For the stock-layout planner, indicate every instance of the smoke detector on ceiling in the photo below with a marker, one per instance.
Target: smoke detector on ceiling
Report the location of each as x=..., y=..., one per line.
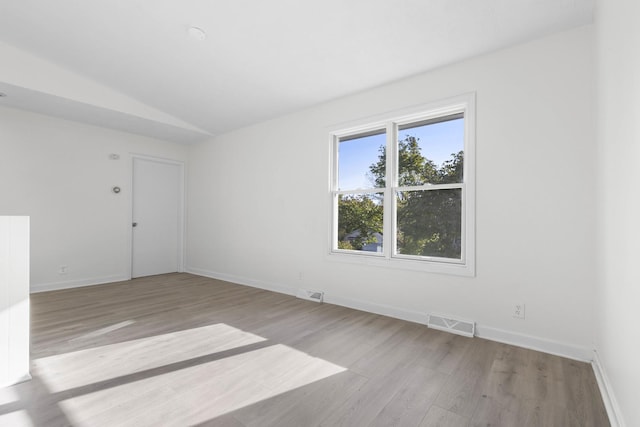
x=197, y=33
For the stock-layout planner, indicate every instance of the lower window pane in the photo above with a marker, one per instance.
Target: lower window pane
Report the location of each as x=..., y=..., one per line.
x=360, y=222
x=430, y=223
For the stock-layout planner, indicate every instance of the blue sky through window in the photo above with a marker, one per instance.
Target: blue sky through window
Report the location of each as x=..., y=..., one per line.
x=437, y=142
x=355, y=157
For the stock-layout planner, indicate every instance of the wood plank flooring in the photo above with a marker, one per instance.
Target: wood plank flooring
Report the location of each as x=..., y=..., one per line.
x=183, y=350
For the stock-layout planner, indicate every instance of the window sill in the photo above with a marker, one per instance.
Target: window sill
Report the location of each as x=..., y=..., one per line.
x=427, y=266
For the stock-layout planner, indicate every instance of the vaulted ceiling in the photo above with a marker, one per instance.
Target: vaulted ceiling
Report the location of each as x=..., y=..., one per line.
x=132, y=65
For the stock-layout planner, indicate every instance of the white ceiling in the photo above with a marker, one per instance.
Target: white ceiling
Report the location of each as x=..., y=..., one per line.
x=261, y=59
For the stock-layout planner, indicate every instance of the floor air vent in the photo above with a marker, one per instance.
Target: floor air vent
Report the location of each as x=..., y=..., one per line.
x=455, y=326
x=315, y=296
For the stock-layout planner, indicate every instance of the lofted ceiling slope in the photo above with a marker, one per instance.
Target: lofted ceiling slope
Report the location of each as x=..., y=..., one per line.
x=260, y=59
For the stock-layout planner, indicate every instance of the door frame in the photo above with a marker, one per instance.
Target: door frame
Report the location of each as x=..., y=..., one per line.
x=181, y=208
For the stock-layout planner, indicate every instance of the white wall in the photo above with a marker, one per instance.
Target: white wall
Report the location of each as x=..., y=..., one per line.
x=258, y=210
x=618, y=293
x=59, y=173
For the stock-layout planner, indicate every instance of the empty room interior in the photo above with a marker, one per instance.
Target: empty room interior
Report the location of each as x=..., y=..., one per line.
x=355, y=213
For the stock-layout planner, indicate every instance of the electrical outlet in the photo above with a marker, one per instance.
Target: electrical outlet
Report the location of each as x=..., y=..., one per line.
x=62, y=269
x=518, y=311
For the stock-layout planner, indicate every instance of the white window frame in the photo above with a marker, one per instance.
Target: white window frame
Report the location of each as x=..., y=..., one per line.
x=391, y=122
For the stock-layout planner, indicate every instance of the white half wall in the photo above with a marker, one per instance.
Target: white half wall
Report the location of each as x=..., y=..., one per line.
x=618, y=286
x=60, y=174
x=14, y=299
x=258, y=199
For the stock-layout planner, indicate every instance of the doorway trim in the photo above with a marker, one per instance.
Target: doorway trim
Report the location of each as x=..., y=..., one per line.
x=181, y=209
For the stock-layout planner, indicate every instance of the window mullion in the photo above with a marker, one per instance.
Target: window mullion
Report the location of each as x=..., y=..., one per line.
x=333, y=185
x=334, y=163
x=463, y=226
x=391, y=182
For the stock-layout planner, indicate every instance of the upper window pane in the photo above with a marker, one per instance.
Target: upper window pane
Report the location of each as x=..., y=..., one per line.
x=431, y=151
x=361, y=161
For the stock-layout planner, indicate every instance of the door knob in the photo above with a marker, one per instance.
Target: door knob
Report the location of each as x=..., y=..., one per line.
x=135, y=224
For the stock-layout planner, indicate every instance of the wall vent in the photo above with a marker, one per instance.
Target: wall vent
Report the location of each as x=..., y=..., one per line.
x=449, y=324
x=310, y=295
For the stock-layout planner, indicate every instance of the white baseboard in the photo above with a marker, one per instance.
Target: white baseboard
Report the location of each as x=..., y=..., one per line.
x=55, y=286
x=544, y=345
x=582, y=354
x=608, y=397
x=370, y=307
x=242, y=281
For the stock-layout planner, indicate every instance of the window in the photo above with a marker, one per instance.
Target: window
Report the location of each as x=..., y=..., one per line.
x=403, y=191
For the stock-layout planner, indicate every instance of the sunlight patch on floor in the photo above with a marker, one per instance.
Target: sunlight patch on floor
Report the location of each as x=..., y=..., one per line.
x=16, y=419
x=89, y=366
x=201, y=392
x=103, y=331
x=8, y=395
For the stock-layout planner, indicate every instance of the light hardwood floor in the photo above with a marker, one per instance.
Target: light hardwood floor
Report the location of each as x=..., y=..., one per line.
x=179, y=349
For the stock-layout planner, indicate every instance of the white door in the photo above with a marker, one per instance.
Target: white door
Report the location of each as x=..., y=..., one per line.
x=157, y=217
